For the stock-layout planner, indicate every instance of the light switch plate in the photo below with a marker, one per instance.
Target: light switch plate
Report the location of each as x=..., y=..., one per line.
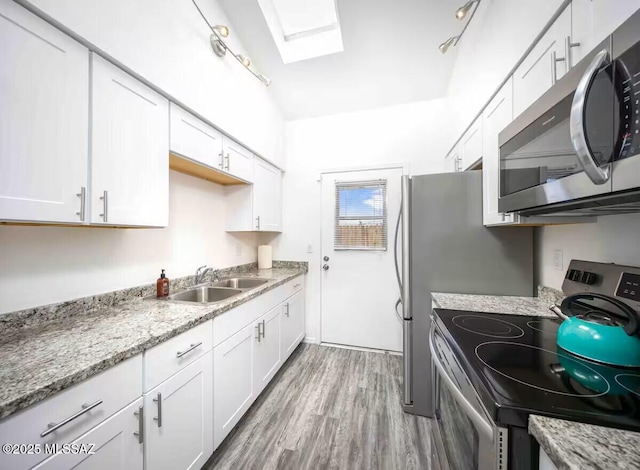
x=238, y=249
x=557, y=260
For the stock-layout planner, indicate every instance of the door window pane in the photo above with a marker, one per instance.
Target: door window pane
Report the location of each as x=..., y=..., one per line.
x=361, y=215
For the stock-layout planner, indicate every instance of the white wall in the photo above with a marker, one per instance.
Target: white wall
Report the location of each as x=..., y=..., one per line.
x=167, y=43
x=414, y=134
x=613, y=239
x=42, y=265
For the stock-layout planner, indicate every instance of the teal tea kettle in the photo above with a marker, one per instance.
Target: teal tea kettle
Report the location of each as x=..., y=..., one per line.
x=597, y=334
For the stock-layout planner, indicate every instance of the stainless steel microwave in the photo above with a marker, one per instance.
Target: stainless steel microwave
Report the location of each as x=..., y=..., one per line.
x=576, y=151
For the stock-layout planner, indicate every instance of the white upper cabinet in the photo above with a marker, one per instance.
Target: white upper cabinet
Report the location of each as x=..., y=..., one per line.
x=471, y=145
x=193, y=139
x=496, y=116
x=453, y=160
x=543, y=66
x=44, y=112
x=593, y=20
x=237, y=160
x=129, y=150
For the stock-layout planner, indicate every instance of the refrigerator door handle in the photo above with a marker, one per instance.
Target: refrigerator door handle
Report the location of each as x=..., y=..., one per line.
x=395, y=249
x=398, y=314
x=406, y=248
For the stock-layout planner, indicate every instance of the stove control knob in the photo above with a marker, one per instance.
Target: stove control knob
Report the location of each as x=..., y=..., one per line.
x=574, y=275
x=588, y=278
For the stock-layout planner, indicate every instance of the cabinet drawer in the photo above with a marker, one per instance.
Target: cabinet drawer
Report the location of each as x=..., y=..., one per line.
x=165, y=359
x=109, y=391
x=229, y=323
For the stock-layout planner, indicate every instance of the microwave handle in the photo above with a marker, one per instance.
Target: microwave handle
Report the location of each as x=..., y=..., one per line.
x=475, y=417
x=596, y=173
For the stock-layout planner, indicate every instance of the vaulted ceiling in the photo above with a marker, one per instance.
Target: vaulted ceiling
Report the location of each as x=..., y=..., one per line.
x=390, y=56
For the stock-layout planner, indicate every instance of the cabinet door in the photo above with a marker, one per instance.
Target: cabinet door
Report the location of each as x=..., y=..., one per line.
x=544, y=65
x=497, y=115
x=266, y=349
x=192, y=138
x=238, y=161
x=115, y=443
x=292, y=324
x=471, y=145
x=267, y=197
x=232, y=382
x=130, y=150
x=44, y=114
x=178, y=417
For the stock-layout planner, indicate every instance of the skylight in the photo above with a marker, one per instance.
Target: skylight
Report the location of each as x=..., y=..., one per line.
x=303, y=29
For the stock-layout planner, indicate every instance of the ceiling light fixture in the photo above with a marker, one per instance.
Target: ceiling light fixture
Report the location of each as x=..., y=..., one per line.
x=464, y=9
x=461, y=13
x=220, y=47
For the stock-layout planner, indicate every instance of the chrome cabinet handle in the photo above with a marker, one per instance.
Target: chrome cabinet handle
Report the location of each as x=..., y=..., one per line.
x=191, y=348
x=568, y=45
x=263, y=328
x=554, y=64
x=295, y=286
x=577, y=129
x=287, y=310
x=105, y=205
x=258, y=332
x=460, y=399
x=140, y=433
x=52, y=427
x=221, y=164
x=83, y=202
x=258, y=222
x=325, y=267
x=228, y=163
x=158, y=419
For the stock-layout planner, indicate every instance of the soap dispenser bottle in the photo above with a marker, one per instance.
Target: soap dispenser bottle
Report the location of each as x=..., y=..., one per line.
x=162, y=286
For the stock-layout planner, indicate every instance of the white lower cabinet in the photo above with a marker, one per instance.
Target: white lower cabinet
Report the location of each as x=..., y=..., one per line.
x=232, y=382
x=178, y=419
x=114, y=445
x=266, y=349
x=292, y=324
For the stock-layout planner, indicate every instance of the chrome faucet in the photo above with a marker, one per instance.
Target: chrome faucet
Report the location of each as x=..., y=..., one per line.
x=201, y=272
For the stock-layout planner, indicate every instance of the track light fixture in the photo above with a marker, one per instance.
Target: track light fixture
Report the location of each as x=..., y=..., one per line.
x=464, y=9
x=220, y=47
x=461, y=13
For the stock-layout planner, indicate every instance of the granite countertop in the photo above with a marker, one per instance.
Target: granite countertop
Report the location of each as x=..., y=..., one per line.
x=570, y=445
x=40, y=360
x=579, y=446
x=530, y=306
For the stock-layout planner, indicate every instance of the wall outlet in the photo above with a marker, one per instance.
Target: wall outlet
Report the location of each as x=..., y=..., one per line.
x=309, y=248
x=238, y=249
x=557, y=260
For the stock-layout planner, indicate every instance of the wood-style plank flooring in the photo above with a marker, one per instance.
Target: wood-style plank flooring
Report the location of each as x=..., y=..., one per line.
x=329, y=408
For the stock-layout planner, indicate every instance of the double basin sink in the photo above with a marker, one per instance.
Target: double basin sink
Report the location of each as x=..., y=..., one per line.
x=218, y=290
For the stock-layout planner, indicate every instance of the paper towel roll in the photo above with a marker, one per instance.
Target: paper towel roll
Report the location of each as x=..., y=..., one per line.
x=265, y=257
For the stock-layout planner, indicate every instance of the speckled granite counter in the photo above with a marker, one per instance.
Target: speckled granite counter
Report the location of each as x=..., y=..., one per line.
x=578, y=446
x=39, y=360
x=531, y=306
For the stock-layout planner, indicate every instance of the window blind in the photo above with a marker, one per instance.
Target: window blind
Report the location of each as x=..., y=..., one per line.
x=361, y=215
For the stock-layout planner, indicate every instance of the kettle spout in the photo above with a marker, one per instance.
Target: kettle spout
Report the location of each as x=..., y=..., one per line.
x=555, y=309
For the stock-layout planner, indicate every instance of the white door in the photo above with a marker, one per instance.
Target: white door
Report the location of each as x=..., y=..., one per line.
x=232, y=382
x=44, y=116
x=238, y=161
x=497, y=115
x=267, y=199
x=130, y=150
x=359, y=288
x=115, y=443
x=266, y=349
x=178, y=417
x=292, y=324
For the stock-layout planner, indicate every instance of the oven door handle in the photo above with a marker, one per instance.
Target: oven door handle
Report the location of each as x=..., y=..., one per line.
x=475, y=417
x=596, y=173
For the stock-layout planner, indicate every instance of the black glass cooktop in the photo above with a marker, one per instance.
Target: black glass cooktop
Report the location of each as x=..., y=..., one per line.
x=517, y=368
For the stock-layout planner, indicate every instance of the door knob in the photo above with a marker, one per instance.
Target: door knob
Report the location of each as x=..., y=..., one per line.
x=326, y=258
x=325, y=267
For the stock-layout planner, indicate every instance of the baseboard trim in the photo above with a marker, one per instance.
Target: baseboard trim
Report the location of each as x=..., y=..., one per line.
x=309, y=340
x=358, y=348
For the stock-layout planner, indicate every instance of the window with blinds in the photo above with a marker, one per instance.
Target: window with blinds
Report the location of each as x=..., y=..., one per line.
x=361, y=215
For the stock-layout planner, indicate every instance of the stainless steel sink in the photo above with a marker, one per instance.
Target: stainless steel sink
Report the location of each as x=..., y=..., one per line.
x=240, y=282
x=204, y=295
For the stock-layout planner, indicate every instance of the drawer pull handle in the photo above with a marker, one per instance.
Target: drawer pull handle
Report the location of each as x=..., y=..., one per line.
x=140, y=433
x=52, y=427
x=287, y=311
x=191, y=348
x=295, y=286
x=158, y=419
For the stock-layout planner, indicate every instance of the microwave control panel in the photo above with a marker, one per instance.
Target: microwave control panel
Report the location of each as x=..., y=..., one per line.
x=628, y=71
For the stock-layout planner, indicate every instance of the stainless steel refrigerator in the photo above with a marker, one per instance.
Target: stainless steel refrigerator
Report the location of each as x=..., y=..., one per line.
x=446, y=248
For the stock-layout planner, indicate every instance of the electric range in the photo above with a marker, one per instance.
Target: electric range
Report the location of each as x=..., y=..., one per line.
x=516, y=368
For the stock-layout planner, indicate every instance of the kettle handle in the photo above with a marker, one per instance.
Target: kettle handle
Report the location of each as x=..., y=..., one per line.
x=631, y=328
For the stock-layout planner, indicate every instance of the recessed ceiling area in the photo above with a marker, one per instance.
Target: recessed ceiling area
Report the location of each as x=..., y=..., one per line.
x=390, y=52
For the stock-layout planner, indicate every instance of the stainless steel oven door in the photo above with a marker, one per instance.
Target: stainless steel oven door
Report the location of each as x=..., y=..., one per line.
x=464, y=436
